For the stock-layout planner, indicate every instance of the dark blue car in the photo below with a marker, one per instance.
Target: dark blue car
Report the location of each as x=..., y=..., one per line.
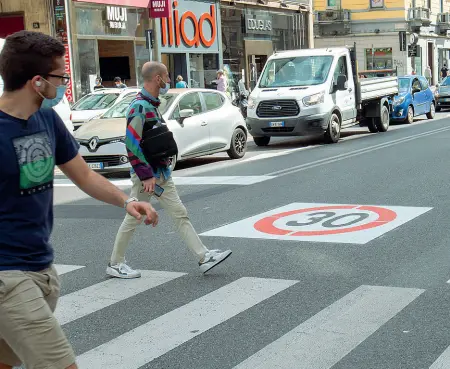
x=415, y=98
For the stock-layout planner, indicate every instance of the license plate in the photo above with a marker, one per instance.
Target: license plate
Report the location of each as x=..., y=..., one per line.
x=447, y=99
x=95, y=165
x=276, y=124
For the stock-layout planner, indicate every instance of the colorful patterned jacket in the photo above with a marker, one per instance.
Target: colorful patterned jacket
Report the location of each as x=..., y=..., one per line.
x=143, y=114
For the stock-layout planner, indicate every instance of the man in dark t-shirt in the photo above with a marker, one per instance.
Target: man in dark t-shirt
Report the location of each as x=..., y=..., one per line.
x=33, y=139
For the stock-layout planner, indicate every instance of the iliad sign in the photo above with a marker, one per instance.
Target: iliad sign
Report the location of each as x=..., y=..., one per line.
x=174, y=28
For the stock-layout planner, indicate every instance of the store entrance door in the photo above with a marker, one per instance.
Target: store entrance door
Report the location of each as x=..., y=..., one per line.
x=256, y=64
x=176, y=65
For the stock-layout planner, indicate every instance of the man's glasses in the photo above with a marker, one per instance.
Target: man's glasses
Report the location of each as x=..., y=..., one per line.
x=65, y=78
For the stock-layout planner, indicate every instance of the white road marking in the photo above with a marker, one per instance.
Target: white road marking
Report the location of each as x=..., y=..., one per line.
x=324, y=339
x=443, y=361
x=187, y=181
x=63, y=268
x=91, y=299
x=157, y=337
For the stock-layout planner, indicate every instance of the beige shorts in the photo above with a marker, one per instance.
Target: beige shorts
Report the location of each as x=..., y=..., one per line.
x=29, y=333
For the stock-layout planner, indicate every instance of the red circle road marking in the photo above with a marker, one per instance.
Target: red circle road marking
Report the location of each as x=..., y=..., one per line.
x=265, y=225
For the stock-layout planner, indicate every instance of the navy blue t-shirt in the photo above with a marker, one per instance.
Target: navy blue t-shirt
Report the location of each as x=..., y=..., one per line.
x=29, y=151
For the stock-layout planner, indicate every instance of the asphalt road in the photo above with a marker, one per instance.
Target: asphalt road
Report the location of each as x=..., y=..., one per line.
x=361, y=285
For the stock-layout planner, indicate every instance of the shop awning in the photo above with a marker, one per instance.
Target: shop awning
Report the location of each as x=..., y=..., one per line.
x=129, y=3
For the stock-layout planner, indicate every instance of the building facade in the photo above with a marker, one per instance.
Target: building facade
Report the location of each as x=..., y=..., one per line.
x=254, y=30
x=405, y=34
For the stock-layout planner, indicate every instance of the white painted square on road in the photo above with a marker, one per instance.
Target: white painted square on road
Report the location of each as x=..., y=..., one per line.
x=337, y=223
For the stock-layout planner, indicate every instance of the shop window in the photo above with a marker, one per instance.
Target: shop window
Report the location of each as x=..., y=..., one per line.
x=377, y=59
x=213, y=100
x=191, y=101
x=203, y=70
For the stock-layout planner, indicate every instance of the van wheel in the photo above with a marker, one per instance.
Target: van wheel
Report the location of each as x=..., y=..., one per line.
x=261, y=141
x=238, y=144
x=333, y=132
x=382, y=122
x=371, y=125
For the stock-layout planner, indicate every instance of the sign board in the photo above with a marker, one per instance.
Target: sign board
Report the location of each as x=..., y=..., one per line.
x=413, y=50
x=63, y=35
x=128, y=3
x=159, y=9
x=192, y=26
x=402, y=40
x=258, y=22
x=336, y=223
x=116, y=17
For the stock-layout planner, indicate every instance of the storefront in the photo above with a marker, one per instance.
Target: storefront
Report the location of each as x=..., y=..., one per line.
x=250, y=34
x=189, y=41
x=108, y=41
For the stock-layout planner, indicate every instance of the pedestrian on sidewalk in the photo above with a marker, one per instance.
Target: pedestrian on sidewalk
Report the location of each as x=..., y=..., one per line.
x=151, y=179
x=428, y=74
x=33, y=139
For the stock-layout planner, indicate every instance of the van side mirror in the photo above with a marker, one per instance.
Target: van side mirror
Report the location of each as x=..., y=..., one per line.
x=341, y=83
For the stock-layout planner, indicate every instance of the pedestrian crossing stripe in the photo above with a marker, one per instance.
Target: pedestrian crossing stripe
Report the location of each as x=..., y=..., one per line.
x=318, y=343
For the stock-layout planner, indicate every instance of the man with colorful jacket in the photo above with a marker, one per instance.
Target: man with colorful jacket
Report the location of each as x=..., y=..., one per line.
x=143, y=115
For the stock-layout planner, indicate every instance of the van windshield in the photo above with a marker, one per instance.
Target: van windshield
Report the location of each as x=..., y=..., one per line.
x=296, y=71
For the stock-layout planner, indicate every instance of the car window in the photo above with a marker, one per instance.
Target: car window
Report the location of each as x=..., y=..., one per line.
x=341, y=68
x=191, y=101
x=416, y=85
x=213, y=100
x=119, y=110
x=424, y=83
x=96, y=102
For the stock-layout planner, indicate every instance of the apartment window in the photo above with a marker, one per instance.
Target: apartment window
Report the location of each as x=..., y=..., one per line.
x=380, y=58
x=375, y=4
x=333, y=4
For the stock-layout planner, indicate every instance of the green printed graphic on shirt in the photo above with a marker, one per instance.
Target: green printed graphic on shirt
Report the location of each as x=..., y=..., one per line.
x=36, y=162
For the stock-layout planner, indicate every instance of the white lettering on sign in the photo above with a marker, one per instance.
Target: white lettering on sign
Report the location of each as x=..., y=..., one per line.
x=259, y=24
x=158, y=4
x=116, y=17
x=335, y=223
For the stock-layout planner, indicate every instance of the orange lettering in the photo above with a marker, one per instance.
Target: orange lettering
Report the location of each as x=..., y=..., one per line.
x=212, y=20
x=170, y=31
x=164, y=31
x=195, y=40
x=177, y=24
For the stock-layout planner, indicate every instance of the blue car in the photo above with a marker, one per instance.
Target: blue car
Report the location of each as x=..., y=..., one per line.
x=415, y=98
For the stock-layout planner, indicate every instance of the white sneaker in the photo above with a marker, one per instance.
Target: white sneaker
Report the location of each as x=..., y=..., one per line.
x=122, y=270
x=213, y=258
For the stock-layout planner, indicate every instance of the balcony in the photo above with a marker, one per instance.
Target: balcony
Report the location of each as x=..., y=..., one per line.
x=332, y=16
x=443, y=22
x=419, y=17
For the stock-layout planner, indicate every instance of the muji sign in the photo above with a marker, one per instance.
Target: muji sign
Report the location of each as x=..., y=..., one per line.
x=159, y=8
x=191, y=25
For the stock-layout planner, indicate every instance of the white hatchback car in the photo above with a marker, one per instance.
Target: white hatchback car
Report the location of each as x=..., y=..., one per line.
x=203, y=122
x=62, y=109
x=93, y=105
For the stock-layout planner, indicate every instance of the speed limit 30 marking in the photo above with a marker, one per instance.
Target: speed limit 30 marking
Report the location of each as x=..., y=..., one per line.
x=338, y=223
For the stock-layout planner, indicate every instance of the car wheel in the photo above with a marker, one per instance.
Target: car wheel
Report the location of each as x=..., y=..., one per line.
x=333, y=132
x=432, y=112
x=261, y=141
x=238, y=144
x=410, y=115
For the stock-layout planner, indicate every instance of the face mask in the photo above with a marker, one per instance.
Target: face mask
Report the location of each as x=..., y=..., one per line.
x=163, y=90
x=50, y=103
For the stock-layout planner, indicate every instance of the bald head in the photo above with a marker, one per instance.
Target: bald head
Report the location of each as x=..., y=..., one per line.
x=152, y=69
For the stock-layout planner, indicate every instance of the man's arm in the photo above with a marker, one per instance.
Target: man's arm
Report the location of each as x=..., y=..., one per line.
x=101, y=189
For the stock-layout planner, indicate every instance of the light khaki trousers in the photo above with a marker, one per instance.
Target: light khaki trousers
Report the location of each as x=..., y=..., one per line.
x=172, y=204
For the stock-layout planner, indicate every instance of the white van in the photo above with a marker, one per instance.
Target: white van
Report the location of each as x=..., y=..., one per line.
x=62, y=109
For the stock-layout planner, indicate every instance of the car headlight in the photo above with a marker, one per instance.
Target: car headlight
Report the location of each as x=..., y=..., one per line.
x=314, y=99
x=251, y=103
x=399, y=100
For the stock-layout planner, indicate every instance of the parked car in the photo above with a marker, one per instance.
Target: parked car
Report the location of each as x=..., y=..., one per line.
x=203, y=122
x=93, y=105
x=415, y=98
x=63, y=108
x=443, y=94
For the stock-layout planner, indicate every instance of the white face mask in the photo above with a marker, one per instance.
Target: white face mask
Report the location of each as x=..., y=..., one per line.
x=163, y=90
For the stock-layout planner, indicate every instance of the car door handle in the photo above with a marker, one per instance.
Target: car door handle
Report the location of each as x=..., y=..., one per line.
x=350, y=89
x=204, y=124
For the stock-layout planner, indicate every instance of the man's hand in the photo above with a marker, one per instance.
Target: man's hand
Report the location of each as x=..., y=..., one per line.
x=137, y=209
x=149, y=185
